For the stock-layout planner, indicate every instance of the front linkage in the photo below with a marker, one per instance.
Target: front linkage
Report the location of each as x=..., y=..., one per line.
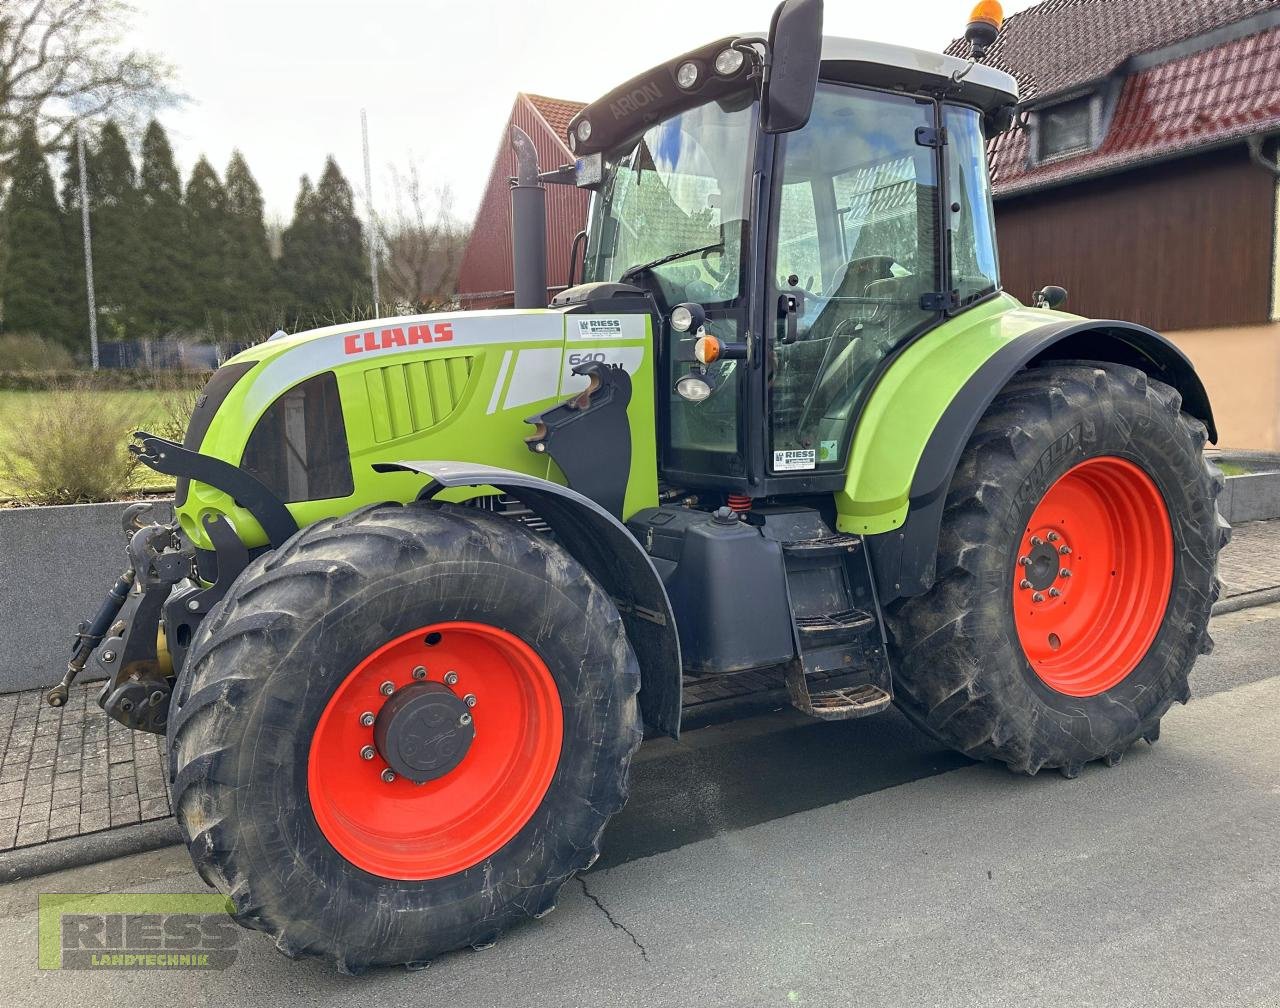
x=145, y=625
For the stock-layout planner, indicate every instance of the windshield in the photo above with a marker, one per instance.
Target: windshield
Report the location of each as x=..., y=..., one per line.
x=676, y=202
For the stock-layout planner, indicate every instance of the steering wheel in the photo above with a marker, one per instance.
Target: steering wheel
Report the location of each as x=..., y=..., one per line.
x=717, y=274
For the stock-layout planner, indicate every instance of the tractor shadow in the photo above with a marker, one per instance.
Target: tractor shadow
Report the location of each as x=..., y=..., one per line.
x=728, y=777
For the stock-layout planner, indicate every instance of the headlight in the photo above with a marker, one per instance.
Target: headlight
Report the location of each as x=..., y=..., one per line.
x=729, y=62
x=693, y=388
x=687, y=75
x=688, y=316
x=584, y=130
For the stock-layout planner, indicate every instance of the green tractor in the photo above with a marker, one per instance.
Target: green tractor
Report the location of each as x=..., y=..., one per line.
x=430, y=580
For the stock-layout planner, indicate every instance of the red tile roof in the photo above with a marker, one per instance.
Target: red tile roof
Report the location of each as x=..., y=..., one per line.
x=1060, y=44
x=1211, y=97
x=557, y=112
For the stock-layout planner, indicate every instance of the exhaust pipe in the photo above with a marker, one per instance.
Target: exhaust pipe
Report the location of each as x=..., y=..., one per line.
x=528, y=225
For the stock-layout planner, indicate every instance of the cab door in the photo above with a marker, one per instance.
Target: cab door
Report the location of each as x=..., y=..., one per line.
x=857, y=248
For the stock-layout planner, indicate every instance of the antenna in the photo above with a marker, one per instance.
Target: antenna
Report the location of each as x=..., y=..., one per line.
x=373, y=220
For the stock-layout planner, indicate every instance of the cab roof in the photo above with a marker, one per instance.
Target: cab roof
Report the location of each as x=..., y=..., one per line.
x=899, y=67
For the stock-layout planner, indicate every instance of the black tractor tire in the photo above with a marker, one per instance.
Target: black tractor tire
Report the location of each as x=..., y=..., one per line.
x=270, y=655
x=961, y=672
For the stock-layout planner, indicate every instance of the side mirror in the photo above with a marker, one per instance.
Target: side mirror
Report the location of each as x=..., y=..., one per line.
x=1050, y=297
x=795, y=55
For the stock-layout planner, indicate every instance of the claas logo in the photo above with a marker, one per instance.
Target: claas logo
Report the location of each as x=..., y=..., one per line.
x=397, y=336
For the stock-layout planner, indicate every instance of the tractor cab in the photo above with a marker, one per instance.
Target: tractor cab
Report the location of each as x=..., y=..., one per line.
x=787, y=263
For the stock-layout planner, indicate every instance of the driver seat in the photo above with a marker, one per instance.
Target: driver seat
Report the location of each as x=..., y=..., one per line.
x=854, y=280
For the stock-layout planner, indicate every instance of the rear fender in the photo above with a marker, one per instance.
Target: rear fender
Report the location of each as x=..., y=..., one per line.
x=602, y=544
x=905, y=559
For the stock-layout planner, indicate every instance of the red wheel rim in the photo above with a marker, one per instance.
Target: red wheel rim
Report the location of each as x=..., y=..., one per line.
x=404, y=830
x=1092, y=577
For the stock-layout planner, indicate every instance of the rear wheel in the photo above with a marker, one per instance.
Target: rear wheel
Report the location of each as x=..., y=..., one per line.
x=401, y=733
x=1076, y=573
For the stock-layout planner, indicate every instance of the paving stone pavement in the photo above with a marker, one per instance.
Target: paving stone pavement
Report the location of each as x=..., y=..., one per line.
x=73, y=771
x=1251, y=560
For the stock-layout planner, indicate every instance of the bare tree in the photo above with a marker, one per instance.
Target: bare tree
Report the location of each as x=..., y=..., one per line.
x=422, y=245
x=64, y=61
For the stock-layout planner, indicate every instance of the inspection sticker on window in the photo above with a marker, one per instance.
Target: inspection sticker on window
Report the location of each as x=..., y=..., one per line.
x=790, y=461
x=828, y=451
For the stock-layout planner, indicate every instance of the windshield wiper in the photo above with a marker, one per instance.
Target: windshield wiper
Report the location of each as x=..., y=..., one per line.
x=637, y=270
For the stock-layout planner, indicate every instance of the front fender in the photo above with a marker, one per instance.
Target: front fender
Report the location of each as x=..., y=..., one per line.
x=602, y=544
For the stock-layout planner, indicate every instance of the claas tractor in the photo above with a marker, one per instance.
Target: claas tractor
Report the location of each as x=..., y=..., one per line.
x=430, y=580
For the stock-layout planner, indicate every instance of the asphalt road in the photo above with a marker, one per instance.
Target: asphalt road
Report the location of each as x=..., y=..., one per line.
x=777, y=861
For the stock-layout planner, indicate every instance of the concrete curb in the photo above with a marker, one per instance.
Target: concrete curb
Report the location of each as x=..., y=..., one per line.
x=44, y=595
x=1251, y=497
x=76, y=851
x=1261, y=597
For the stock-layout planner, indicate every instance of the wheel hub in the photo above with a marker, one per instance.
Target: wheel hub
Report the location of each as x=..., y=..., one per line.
x=424, y=731
x=1045, y=568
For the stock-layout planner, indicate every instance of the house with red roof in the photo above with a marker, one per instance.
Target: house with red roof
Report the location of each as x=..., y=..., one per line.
x=484, y=276
x=1144, y=176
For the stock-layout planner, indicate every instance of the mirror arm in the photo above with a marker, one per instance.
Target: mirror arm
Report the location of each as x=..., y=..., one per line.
x=763, y=60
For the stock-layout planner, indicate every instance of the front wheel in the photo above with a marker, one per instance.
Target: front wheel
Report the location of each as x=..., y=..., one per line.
x=401, y=733
x=1076, y=573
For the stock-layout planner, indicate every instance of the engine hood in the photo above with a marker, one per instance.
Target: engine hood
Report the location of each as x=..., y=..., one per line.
x=312, y=414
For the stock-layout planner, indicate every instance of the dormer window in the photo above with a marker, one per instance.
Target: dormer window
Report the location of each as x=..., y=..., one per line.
x=1066, y=128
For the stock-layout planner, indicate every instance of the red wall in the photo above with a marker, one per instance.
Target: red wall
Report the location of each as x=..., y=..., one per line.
x=484, y=278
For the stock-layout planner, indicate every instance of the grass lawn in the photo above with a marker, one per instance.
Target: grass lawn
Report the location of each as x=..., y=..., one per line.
x=147, y=408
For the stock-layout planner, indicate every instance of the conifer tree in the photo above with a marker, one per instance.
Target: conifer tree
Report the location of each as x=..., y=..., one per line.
x=162, y=267
x=250, y=282
x=322, y=260
x=114, y=215
x=205, y=205
x=36, y=287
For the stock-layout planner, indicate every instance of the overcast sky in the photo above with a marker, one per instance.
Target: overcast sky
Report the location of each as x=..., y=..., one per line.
x=284, y=80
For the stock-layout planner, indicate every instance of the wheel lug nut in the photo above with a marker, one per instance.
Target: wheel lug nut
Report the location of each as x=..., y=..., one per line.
x=1037, y=541
x=469, y=699
x=1053, y=537
x=387, y=688
x=388, y=775
x=1054, y=593
x=1064, y=573
x=1064, y=550
x=419, y=673
x=450, y=678
x=465, y=719
x=1024, y=584
x=366, y=719
x=367, y=752
x=1037, y=597
x=1025, y=561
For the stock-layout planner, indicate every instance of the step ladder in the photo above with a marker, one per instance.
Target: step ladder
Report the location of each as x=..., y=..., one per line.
x=842, y=670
